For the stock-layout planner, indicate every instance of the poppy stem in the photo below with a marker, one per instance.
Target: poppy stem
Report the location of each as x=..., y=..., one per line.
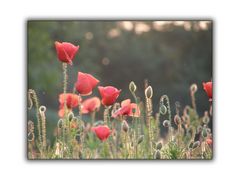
x=64, y=66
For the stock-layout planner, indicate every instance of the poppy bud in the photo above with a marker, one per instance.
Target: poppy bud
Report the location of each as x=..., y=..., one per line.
x=125, y=126
x=204, y=133
x=159, y=146
x=163, y=109
x=193, y=88
x=196, y=144
x=149, y=92
x=157, y=154
x=140, y=139
x=199, y=129
x=132, y=87
x=206, y=118
x=166, y=123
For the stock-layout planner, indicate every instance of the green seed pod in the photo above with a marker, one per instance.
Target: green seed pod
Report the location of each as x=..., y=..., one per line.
x=140, y=139
x=204, y=133
x=166, y=123
x=149, y=92
x=196, y=144
x=125, y=126
x=157, y=154
x=159, y=146
x=163, y=109
x=132, y=87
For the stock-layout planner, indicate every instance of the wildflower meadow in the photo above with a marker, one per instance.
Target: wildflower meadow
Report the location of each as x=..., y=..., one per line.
x=93, y=123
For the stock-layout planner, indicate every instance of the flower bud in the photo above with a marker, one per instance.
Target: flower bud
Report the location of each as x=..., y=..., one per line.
x=193, y=88
x=163, y=109
x=125, y=126
x=149, y=92
x=132, y=87
x=140, y=139
x=166, y=123
x=199, y=129
x=159, y=146
x=196, y=144
x=206, y=118
x=157, y=154
x=204, y=133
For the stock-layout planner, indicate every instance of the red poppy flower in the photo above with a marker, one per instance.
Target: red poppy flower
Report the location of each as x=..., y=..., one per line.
x=66, y=51
x=102, y=132
x=209, y=141
x=127, y=109
x=208, y=88
x=90, y=105
x=109, y=94
x=85, y=83
x=72, y=100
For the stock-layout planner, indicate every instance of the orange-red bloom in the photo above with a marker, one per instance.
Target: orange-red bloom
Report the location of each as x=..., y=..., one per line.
x=128, y=109
x=72, y=100
x=102, y=132
x=66, y=51
x=209, y=141
x=90, y=105
x=109, y=94
x=85, y=83
x=208, y=88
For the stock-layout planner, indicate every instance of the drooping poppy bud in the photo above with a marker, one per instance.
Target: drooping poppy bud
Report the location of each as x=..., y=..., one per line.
x=125, y=126
x=149, y=92
x=128, y=109
x=90, y=105
x=102, y=132
x=85, y=83
x=66, y=51
x=109, y=94
x=208, y=88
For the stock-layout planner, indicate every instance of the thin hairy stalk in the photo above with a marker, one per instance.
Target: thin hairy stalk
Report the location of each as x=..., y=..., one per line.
x=165, y=97
x=33, y=98
x=42, y=111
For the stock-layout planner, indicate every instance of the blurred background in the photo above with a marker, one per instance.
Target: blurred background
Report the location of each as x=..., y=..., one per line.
x=171, y=55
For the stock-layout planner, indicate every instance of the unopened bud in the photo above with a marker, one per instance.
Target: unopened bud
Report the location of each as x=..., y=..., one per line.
x=206, y=118
x=157, y=154
x=125, y=126
x=196, y=144
x=132, y=87
x=149, y=92
x=204, y=132
x=193, y=88
x=159, y=146
x=163, y=109
x=199, y=129
x=166, y=123
x=140, y=139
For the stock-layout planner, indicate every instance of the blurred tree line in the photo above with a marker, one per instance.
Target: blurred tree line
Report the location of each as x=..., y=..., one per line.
x=170, y=55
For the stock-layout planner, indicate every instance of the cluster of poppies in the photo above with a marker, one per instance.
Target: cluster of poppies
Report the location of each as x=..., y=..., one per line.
x=84, y=86
x=109, y=94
